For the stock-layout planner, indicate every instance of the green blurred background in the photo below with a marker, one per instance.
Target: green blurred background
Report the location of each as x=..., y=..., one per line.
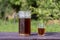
x=48, y=10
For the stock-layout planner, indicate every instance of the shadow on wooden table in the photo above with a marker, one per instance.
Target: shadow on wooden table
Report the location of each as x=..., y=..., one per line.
x=46, y=34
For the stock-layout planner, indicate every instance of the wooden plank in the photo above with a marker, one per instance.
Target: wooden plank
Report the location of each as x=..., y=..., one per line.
x=33, y=36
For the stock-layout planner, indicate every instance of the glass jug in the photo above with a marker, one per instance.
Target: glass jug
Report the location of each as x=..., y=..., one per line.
x=24, y=22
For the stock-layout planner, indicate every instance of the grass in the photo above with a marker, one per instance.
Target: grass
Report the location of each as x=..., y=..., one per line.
x=48, y=28
x=13, y=27
x=53, y=28
x=8, y=26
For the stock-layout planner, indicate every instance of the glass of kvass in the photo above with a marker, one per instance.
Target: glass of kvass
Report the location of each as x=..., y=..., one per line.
x=41, y=28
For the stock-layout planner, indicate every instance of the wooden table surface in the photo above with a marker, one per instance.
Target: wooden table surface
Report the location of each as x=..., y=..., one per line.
x=33, y=36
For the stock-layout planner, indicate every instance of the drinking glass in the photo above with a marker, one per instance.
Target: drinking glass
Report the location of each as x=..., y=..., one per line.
x=41, y=28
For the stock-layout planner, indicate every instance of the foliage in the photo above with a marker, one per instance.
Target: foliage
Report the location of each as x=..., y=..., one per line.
x=45, y=9
x=5, y=8
x=22, y=3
